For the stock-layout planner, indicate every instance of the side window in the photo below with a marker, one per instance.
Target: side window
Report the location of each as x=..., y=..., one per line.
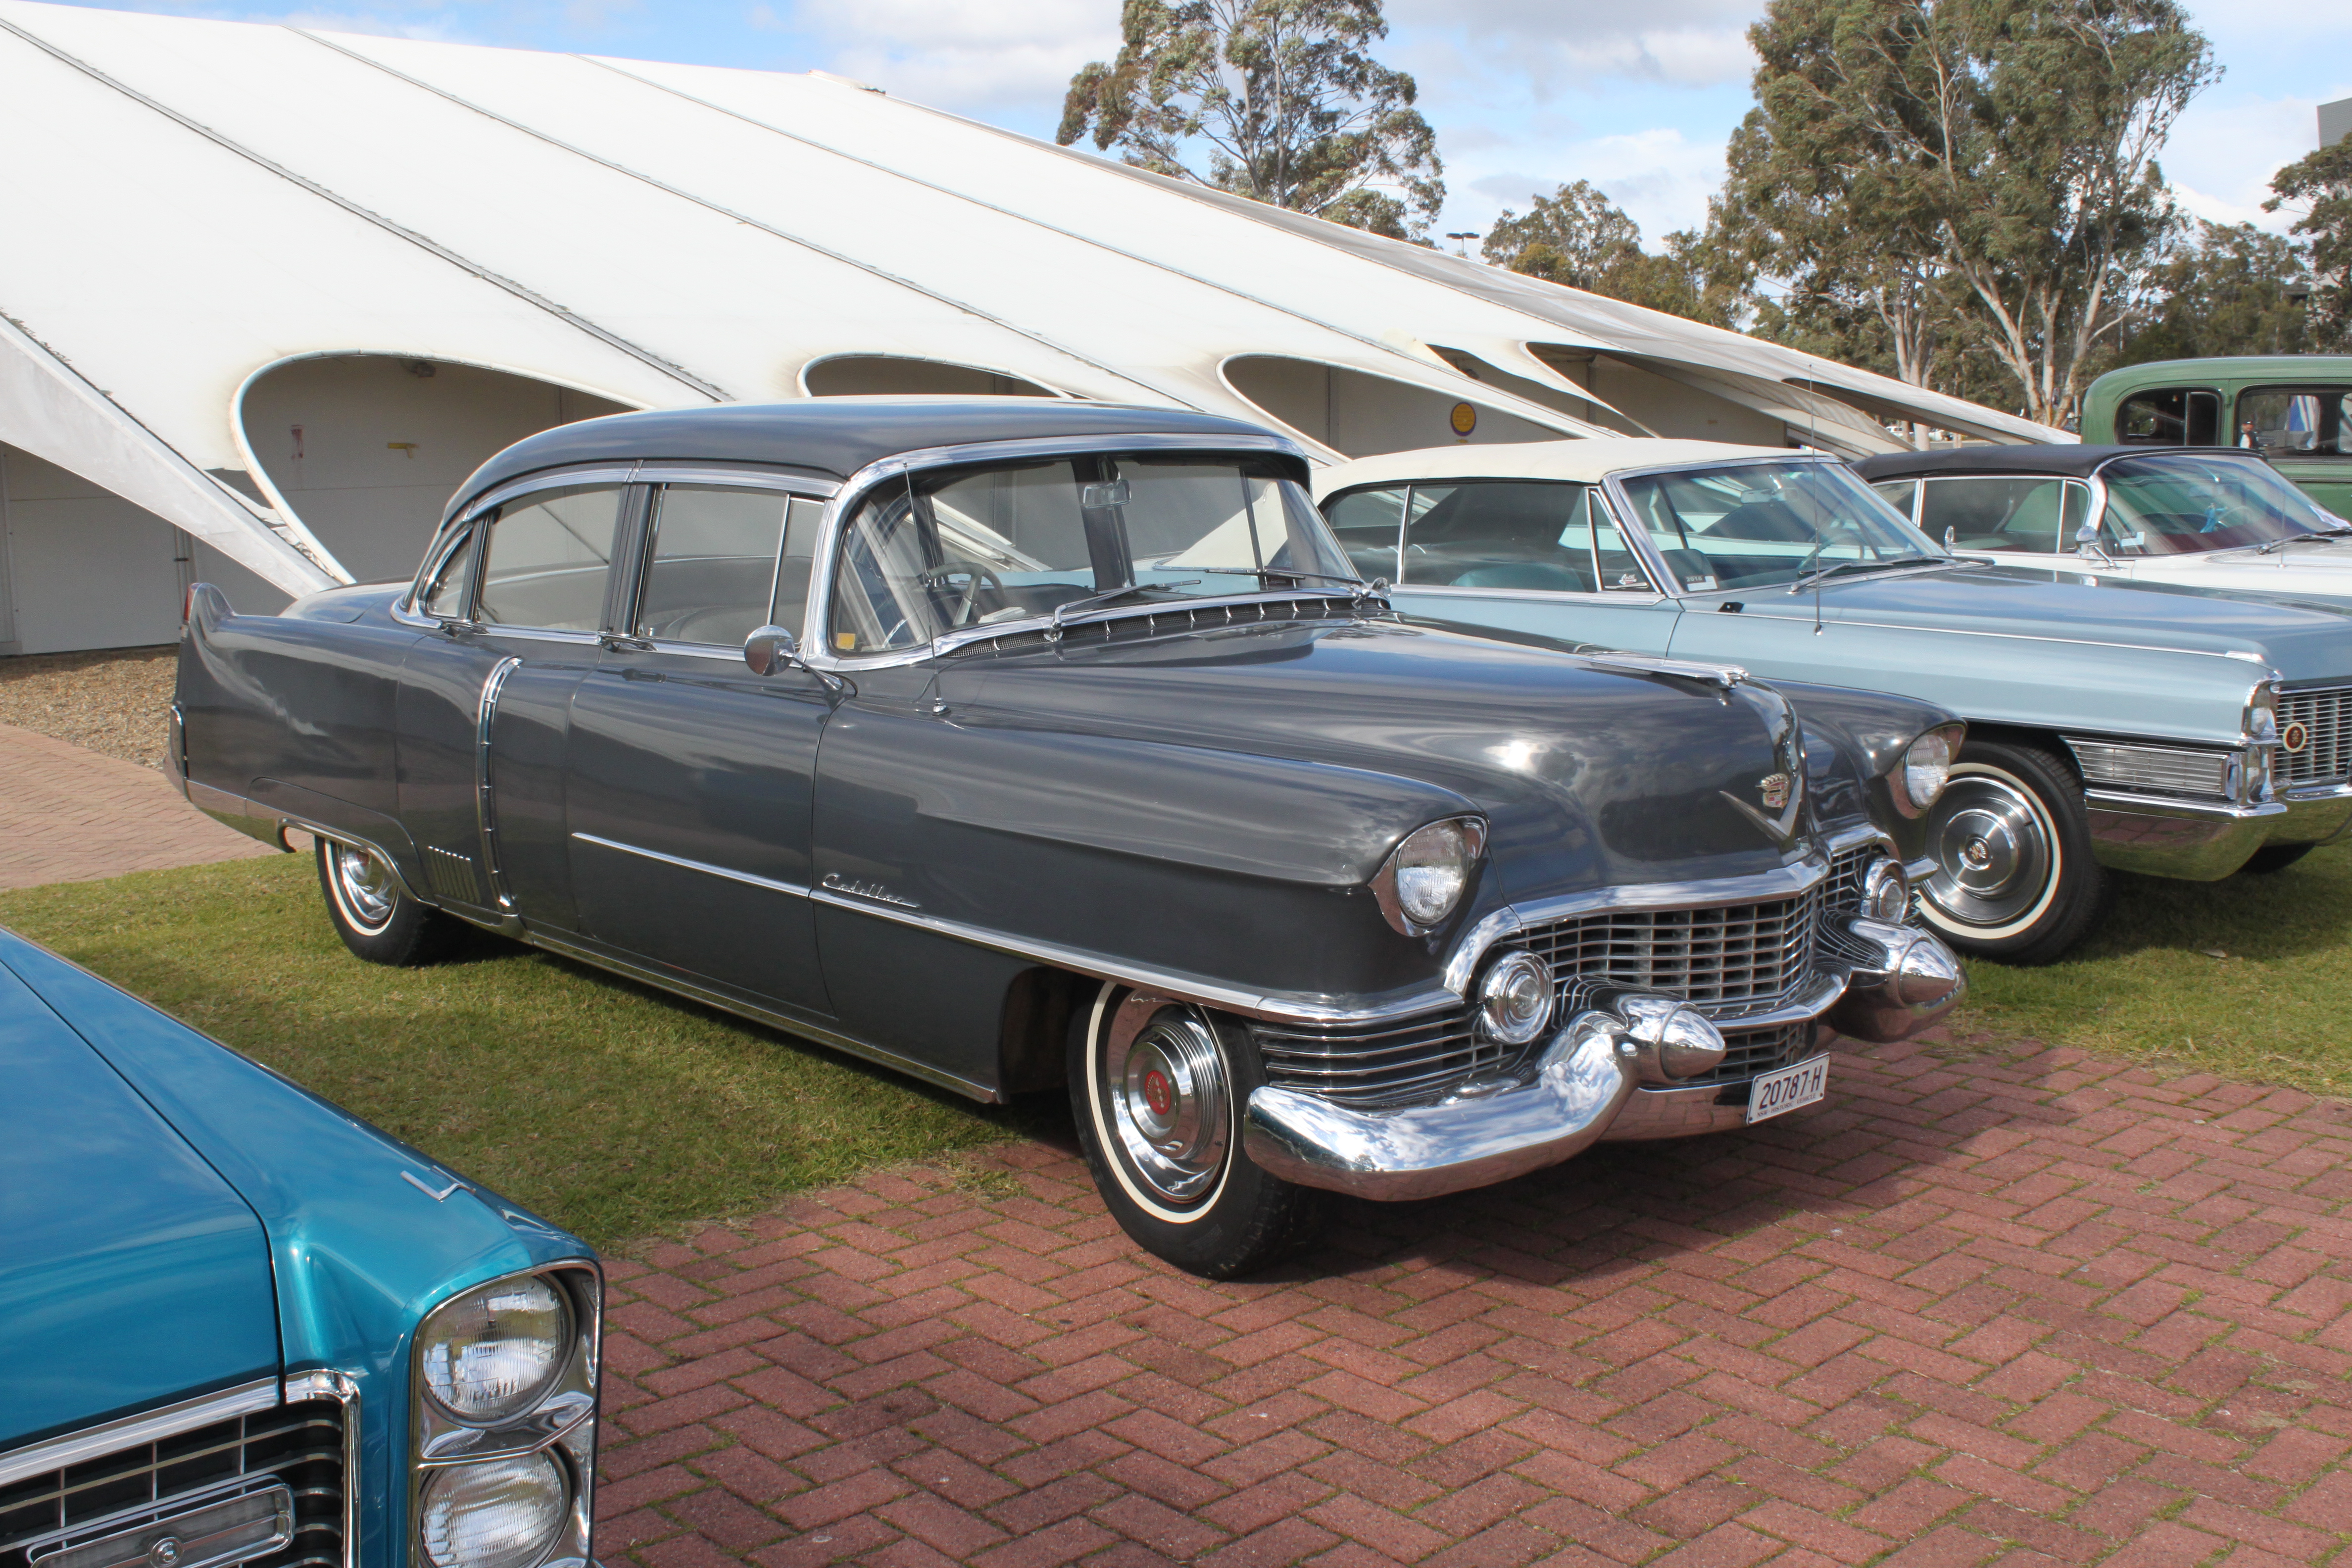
x=1614, y=565
x=712, y=573
x=549, y=555
x=2281, y=422
x=791, y=606
x=2019, y=514
x=2173, y=416
x=445, y=596
x=1898, y=494
x=1497, y=534
x=1368, y=524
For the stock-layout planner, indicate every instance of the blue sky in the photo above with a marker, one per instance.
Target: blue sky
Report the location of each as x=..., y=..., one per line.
x=1525, y=94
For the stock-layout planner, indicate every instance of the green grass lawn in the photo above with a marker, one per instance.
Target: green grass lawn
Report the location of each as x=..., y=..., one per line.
x=619, y=1112
x=605, y=1105
x=2272, y=1008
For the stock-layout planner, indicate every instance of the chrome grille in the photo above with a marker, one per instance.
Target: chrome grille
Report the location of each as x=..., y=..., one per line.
x=1731, y=962
x=2327, y=757
x=301, y=1445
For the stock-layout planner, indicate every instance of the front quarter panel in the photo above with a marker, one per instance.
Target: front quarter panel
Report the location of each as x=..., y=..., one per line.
x=360, y=1252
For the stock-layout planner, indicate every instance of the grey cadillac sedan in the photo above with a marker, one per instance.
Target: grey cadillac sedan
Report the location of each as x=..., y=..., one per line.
x=1026, y=745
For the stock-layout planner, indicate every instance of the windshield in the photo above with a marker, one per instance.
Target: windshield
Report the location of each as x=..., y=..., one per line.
x=953, y=548
x=2186, y=503
x=1752, y=525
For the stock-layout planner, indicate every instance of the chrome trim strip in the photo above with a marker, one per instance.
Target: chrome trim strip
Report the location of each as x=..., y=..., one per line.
x=671, y=981
x=653, y=472
x=2300, y=792
x=818, y=608
x=950, y=641
x=485, y=810
x=1272, y=1007
x=95, y=1442
x=345, y=1391
x=702, y=866
x=544, y=480
x=2173, y=805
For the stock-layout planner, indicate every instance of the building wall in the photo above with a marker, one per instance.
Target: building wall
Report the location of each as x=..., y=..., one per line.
x=1363, y=416
x=82, y=568
x=367, y=449
x=1666, y=406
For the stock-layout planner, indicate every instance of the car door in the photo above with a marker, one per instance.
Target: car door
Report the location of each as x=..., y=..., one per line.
x=520, y=599
x=688, y=778
x=1542, y=556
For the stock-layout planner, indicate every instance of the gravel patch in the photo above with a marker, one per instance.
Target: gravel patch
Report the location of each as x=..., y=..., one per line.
x=116, y=702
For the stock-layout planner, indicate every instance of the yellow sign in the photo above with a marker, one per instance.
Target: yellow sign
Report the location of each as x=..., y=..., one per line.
x=1466, y=419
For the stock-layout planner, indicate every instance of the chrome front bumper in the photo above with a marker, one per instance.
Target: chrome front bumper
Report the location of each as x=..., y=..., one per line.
x=1596, y=1079
x=2201, y=841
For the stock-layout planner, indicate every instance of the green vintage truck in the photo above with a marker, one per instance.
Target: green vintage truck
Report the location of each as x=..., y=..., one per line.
x=2295, y=409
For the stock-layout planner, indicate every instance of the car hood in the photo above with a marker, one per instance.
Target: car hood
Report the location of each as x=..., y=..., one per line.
x=1588, y=775
x=132, y=1274
x=2299, y=641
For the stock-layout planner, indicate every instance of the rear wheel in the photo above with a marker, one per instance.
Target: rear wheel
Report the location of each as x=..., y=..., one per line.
x=1159, y=1087
x=377, y=921
x=2275, y=858
x=2015, y=878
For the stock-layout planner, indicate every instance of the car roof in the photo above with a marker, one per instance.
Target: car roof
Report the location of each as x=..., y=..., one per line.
x=834, y=436
x=2281, y=368
x=1586, y=460
x=2076, y=462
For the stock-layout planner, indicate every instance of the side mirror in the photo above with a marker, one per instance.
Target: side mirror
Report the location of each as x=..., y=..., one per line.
x=2086, y=542
x=769, y=649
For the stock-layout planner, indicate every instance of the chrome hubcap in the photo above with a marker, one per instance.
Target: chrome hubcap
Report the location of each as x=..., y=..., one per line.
x=363, y=884
x=1166, y=1090
x=1994, y=857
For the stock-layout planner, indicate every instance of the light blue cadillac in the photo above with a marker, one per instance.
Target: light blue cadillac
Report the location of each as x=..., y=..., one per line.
x=239, y=1326
x=2171, y=731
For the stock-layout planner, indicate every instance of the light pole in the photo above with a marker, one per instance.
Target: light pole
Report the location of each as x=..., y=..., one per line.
x=1459, y=248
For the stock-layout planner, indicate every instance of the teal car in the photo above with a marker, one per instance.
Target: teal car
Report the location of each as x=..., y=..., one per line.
x=2294, y=410
x=2172, y=732
x=239, y=1326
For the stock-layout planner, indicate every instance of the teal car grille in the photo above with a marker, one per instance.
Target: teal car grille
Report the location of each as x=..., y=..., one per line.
x=300, y=1445
x=1731, y=962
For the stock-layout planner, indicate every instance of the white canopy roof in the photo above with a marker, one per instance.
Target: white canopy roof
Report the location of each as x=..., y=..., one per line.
x=1586, y=462
x=195, y=202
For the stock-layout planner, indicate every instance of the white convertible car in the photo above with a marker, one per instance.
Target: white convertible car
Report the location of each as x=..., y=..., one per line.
x=2212, y=517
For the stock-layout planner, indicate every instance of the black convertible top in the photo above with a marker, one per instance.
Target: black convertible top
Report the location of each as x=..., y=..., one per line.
x=834, y=436
x=2071, y=462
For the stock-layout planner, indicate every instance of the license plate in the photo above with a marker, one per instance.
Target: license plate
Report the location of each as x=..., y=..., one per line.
x=1785, y=1089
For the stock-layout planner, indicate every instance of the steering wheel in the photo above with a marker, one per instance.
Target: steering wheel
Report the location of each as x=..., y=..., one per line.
x=982, y=577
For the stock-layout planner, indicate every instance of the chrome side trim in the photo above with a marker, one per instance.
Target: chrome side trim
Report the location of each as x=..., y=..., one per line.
x=817, y=611
x=652, y=472
x=1787, y=882
x=682, y=862
x=345, y=1391
x=95, y=1442
x=269, y=823
x=670, y=980
x=1273, y=1006
x=485, y=810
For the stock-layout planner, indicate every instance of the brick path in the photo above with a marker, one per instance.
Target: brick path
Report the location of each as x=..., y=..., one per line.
x=1978, y=1309
x=67, y=815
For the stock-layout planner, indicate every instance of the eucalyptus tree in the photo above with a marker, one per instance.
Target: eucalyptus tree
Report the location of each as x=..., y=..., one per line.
x=2320, y=187
x=1985, y=167
x=1276, y=99
x=1579, y=237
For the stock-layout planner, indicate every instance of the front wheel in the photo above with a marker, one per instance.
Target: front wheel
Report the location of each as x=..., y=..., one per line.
x=1158, y=1088
x=376, y=920
x=2015, y=878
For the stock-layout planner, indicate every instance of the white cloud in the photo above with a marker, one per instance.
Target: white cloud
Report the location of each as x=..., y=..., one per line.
x=1660, y=177
x=959, y=55
x=1555, y=43
x=2222, y=154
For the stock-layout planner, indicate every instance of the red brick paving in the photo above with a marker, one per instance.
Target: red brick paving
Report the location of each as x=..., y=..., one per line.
x=70, y=815
x=1981, y=1308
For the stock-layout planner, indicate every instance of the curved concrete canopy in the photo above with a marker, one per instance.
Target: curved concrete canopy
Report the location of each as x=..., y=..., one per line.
x=677, y=235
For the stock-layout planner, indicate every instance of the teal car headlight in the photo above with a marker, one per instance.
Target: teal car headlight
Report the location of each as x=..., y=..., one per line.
x=501, y=1513
x=492, y=1353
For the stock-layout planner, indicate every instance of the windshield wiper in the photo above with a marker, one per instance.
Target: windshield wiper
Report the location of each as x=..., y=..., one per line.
x=1810, y=578
x=2276, y=545
x=1357, y=587
x=1110, y=595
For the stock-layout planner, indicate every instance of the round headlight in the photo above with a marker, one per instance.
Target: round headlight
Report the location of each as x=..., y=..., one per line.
x=501, y=1513
x=492, y=1355
x=1927, y=767
x=1432, y=867
x=1514, y=999
x=1885, y=892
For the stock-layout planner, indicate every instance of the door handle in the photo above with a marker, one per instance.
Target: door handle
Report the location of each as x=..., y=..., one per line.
x=613, y=642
